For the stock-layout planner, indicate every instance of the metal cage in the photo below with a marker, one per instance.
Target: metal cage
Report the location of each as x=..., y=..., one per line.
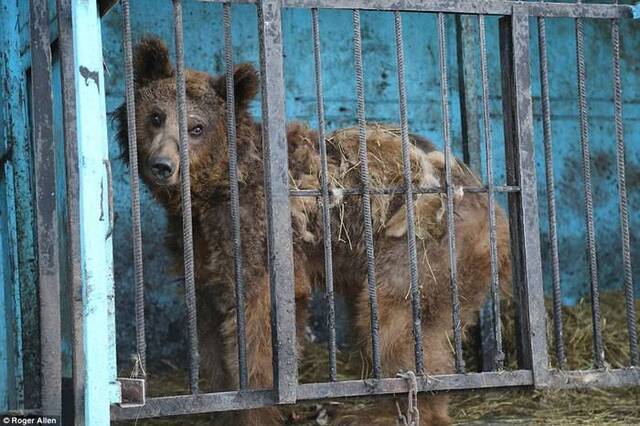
x=87, y=168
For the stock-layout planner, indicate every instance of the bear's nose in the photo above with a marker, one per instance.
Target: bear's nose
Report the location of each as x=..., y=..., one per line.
x=161, y=168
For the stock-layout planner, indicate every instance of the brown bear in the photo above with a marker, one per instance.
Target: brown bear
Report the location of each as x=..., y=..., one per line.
x=158, y=139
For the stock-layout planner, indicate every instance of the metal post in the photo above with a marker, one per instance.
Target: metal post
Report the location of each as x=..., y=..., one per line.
x=46, y=209
x=67, y=75
x=95, y=217
x=523, y=206
x=279, y=242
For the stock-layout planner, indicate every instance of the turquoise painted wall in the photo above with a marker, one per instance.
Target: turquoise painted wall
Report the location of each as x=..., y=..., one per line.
x=203, y=40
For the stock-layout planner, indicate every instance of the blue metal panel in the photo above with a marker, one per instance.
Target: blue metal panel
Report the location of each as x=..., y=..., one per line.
x=14, y=135
x=95, y=215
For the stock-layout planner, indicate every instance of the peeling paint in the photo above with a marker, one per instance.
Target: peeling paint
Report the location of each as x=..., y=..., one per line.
x=90, y=75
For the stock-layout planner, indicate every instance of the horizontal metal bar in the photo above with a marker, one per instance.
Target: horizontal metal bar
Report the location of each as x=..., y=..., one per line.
x=195, y=404
x=623, y=377
x=572, y=10
x=444, y=382
x=400, y=190
x=498, y=7
x=238, y=400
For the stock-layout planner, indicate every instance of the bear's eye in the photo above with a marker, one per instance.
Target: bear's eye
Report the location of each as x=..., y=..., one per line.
x=157, y=119
x=196, y=131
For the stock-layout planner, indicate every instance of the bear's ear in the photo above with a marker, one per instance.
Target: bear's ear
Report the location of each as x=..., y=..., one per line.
x=151, y=61
x=245, y=85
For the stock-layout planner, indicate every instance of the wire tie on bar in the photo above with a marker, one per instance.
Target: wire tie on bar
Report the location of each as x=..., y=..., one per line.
x=412, y=417
x=138, y=369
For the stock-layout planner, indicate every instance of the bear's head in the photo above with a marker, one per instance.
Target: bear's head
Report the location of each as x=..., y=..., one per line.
x=157, y=124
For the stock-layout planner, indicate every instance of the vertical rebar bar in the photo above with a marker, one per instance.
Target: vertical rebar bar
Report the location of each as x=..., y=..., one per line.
x=366, y=195
x=495, y=285
x=408, y=188
x=136, y=233
x=234, y=199
x=324, y=187
x=622, y=196
x=588, y=196
x=185, y=187
x=551, y=197
x=455, y=297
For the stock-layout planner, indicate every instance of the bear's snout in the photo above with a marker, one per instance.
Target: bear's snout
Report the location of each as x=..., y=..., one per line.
x=162, y=168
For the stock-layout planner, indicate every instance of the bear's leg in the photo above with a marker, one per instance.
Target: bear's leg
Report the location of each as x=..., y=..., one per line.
x=259, y=353
x=212, y=363
x=397, y=349
x=438, y=360
x=258, y=344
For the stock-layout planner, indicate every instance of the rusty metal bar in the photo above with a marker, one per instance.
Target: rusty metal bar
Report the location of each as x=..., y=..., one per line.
x=592, y=257
x=455, y=296
x=234, y=200
x=487, y=7
x=136, y=237
x=409, y=200
x=498, y=360
x=400, y=190
x=185, y=188
x=225, y=401
x=622, y=197
x=324, y=185
x=366, y=196
x=551, y=198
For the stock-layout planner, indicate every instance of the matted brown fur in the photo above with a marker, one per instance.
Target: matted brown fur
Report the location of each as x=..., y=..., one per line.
x=157, y=135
